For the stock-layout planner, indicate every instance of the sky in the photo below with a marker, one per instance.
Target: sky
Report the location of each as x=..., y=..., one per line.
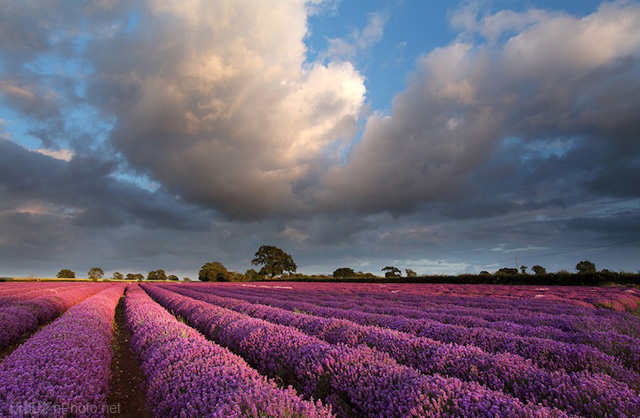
x=442, y=137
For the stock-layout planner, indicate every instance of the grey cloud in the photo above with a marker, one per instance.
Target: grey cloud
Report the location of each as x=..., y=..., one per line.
x=233, y=121
x=464, y=99
x=83, y=191
x=497, y=141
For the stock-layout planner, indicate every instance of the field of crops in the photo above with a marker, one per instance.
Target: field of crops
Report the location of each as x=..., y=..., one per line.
x=318, y=350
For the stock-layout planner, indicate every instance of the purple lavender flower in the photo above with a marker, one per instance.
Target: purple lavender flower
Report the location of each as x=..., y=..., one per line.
x=189, y=376
x=64, y=369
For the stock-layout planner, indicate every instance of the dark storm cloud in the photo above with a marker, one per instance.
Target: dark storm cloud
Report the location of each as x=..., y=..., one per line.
x=84, y=193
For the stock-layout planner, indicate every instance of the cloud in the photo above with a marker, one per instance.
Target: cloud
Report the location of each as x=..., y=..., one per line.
x=182, y=131
x=553, y=76
x=359, y=40
x=228, y=115
x=80, y=191
x=62, y=154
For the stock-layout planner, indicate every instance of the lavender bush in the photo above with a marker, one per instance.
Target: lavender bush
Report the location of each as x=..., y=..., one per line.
x=577, y=393
x=64, y=369
x=357, y=381
x=546, y=353
x=188, y=376
x=21, y=316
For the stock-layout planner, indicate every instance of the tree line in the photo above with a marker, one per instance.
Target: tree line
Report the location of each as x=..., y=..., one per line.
x=275, y=263
x=97, y=273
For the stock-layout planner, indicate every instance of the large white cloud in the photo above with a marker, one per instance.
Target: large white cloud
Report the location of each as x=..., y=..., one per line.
x=216, y=101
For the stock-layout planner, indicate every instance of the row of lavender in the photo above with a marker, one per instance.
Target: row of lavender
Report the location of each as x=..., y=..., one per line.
x=617, y=298
x=527, y=308
x=614, y=333
x=400, y=374
x=24, y=308
x=354, y=380
x=580, y=393
x=64, y=369
x=189, y=376
x=619, y=362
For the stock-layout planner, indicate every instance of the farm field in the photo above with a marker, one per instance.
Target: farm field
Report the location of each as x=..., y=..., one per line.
x=280, y=349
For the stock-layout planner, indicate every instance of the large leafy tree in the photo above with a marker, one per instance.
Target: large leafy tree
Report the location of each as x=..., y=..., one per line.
x=344, y=272
x=118, y=276
x=539, y=270
x=274, y=261
x=138, y=276
x=96, y=273
x=157, y=275
x=66, y=274
x=213, y=272
x=586, y=266
x=391, y=272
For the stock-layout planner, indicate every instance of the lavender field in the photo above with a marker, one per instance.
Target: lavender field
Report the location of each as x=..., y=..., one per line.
x=318, y=350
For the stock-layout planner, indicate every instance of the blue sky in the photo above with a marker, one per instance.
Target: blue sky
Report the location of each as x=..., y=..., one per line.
x=443, y=137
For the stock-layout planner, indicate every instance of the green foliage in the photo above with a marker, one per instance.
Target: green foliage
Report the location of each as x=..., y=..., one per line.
x=539, y=270
x=274, y=261
x=173, y=278
x=343, y=272
x=118, y=276
x=252, y=275
x=214, y=272
x=137, y=276
x=585, y=266
x=507, y=271
x=95, y=273
x=157, y=275
x=66, y=274
x=411, y=273
x=348, y=273
x=392, y=272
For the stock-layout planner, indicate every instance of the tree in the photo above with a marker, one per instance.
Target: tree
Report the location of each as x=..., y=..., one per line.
x=411, y=273
x=157, y=275
x=66, y=274
x=523, y=269
x=213, y=272
x=131, y=276
x=539, y=270
x=507, y=271
x=173, y=278
x=186, y=279
x=274, y=261
x=391, y=272
x=585, y=266
x=344, y=272
x=95, y=273
x=118, y=276
x=252, y=275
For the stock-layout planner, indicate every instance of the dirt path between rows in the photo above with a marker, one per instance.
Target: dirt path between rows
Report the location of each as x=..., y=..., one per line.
x=127, y=380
